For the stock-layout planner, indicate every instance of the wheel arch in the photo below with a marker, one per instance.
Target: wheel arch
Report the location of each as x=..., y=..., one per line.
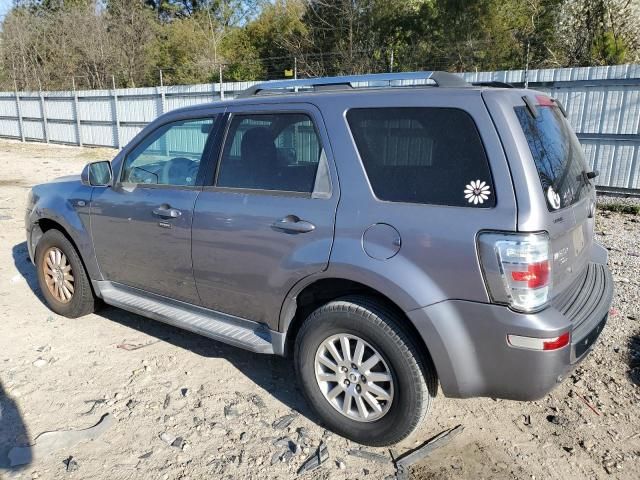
x=323, y=290
x=42, y=226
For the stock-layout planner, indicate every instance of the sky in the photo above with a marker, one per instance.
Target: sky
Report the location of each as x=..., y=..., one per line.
x=5, y=6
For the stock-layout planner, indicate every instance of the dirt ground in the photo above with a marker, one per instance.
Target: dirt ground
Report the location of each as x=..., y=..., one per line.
x=226, y=405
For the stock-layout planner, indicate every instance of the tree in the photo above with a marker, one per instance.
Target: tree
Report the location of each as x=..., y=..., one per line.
x=135, y=48
x=54, y=43
x=276, y=36
x=599, y=32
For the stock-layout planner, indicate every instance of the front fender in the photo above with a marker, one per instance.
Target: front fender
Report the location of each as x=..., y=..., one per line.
x=68, y=205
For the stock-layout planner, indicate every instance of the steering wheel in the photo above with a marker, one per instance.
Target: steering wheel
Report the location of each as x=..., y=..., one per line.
x=180, y=171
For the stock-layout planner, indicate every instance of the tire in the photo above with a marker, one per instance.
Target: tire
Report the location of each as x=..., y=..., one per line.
x=379, y=328
x=55, y=254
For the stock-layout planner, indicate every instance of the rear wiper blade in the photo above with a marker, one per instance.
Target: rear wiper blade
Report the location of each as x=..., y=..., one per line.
x=586, y=177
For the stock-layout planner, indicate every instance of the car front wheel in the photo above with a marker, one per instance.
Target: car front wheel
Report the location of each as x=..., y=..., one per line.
x=362, y=373
x=61, y=276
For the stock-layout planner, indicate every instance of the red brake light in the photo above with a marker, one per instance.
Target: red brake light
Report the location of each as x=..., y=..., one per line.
x=536, y=275
x=545, y=101
x=557, y=343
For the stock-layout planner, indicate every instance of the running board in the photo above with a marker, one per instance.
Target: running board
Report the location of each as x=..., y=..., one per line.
x=219, y=326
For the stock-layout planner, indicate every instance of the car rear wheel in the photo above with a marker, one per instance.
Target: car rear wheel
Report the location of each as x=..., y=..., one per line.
x=62, y=277
x=362, y=373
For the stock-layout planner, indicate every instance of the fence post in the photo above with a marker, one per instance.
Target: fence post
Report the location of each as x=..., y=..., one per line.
x=161, y=92
x=221, y=87
x=163, y=106
x=43, y=108
x=19, y=110
x=116, y=116
x=76, y=111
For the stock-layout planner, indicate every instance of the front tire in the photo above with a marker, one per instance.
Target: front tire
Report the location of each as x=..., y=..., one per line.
x=362, y=373
x=62, y=277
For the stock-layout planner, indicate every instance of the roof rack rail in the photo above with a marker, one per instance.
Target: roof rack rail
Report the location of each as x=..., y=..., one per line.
x=402, y=79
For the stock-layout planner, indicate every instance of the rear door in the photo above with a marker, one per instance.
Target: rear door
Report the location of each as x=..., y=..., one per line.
x=267, y=218
x=551, y=177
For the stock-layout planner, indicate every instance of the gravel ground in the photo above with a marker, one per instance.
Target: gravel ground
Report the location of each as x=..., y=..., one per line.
x=613, y=199
x=186, y=407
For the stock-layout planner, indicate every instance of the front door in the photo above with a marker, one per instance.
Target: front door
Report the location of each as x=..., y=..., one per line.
x=141, y=226
x=267, y=221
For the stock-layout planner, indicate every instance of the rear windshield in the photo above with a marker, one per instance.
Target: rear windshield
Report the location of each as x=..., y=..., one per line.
x=423, y=155
x=557, y=154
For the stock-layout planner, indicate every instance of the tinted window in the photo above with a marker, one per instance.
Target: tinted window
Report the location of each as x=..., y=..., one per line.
x=270, y=152
x=423, y=155
x=557, y=154
x=169, y=156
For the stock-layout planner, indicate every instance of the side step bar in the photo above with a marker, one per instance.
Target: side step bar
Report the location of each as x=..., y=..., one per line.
x=236, y=331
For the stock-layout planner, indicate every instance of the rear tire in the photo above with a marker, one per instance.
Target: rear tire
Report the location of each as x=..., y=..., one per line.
x=392, y=410
x=62, y=278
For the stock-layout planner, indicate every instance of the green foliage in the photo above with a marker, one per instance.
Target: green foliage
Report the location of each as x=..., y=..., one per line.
x=609, y=49
x=53, y=44
x=620, y=208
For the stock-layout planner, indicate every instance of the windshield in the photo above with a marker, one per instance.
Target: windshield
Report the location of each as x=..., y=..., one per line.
x=557, y=154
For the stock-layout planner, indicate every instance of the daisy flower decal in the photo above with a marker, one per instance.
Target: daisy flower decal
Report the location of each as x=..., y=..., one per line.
x=477, y=192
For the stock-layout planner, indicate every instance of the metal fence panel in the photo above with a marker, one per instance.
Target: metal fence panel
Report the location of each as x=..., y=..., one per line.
x=30, y=107
x=127, y=132
x=8, y=107
x=9, y=128
x=59, y=108
x=33, y=130
x=602, y=103
x=138, y=109
x=98, y=134
x=62, y=132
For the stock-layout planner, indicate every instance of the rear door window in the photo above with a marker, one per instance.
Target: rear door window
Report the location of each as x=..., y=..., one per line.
x=423, y=155
x=557, y=154
x=277, y=152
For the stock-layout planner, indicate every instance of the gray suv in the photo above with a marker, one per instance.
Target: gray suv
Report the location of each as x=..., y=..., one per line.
x=388, y=233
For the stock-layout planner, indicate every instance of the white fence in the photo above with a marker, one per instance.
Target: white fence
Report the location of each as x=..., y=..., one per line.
x=603, y=104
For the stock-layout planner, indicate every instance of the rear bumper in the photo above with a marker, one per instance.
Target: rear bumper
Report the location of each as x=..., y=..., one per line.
x=468, y=342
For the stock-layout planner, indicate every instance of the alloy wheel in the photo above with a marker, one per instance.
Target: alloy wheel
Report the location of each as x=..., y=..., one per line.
x=58, y=274
x=354, y=377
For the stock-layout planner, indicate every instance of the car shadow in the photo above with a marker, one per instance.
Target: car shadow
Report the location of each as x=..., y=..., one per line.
x=13, y=433
x=24, y=266
x=272, y=373
x=634, y=359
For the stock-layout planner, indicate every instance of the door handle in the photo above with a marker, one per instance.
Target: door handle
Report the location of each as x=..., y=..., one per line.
x=165, y=211
x=293, y=224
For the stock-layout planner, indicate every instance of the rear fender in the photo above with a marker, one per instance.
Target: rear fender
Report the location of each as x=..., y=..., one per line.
x=379, y=278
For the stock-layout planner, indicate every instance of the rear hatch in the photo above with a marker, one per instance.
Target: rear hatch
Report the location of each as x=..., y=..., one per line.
x=552, y=181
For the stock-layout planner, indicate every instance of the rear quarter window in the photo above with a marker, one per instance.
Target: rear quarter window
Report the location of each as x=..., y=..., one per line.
x=423, y=155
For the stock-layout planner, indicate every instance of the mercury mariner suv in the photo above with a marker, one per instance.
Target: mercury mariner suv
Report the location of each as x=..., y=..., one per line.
x=388, y=233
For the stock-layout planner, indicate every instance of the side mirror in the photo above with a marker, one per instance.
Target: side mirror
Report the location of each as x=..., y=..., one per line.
x=97, y=174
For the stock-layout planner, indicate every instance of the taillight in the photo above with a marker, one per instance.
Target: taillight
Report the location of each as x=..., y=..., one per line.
x=517, y=268
x=536, y=275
